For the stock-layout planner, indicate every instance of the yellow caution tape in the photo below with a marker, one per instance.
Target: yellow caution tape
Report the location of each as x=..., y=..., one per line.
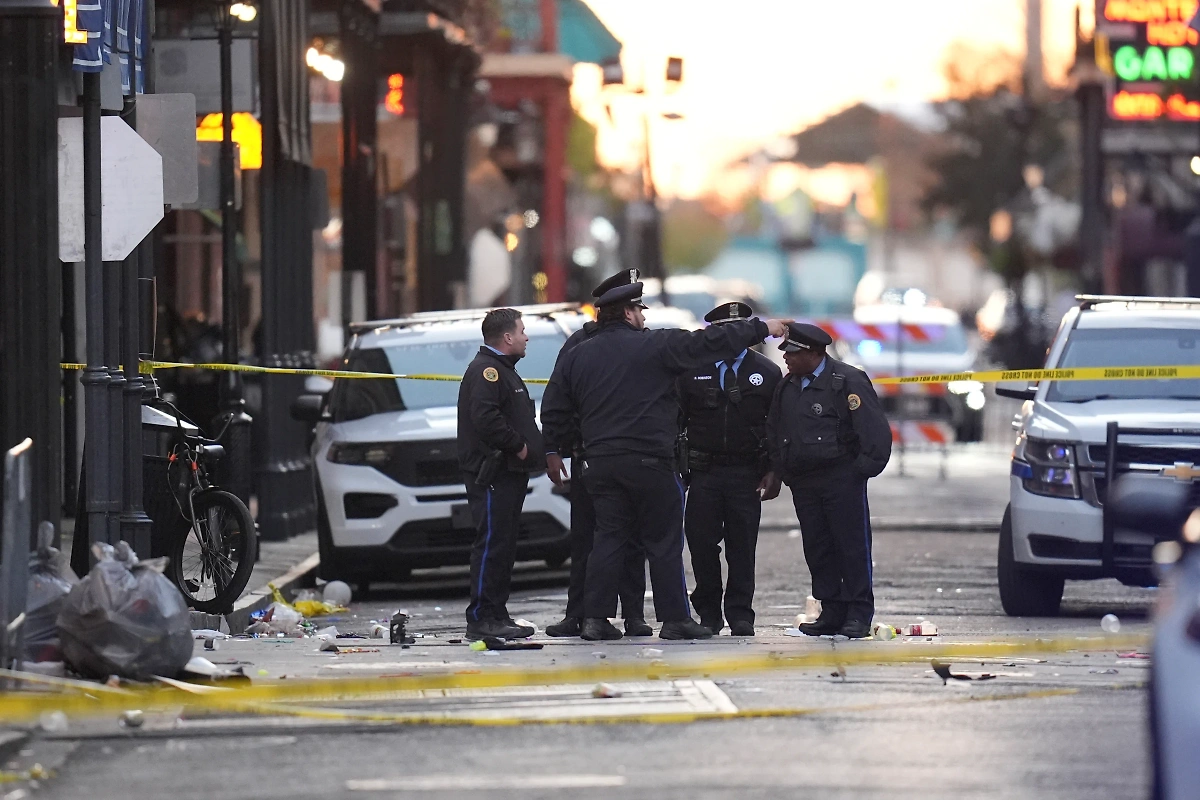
x=20, y=706
x=987, y=376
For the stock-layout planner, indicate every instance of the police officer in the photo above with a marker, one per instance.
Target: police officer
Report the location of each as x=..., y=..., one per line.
x=724, y=413
x=620, y=384
x=827, y=435
x=631, y=587
x=499, y=445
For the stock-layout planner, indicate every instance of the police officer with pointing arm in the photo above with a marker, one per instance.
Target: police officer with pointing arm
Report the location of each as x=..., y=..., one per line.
x=620, y=384
x=632, y=582
x=827, y=435
x=499, y=445
x=724, y=412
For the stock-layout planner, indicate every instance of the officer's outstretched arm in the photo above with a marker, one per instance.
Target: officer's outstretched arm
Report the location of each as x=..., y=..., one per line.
x=682, y=351
x=871, y=425
x=489, y=420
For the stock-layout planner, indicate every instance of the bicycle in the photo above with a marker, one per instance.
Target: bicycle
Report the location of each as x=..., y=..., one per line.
x=212, y=561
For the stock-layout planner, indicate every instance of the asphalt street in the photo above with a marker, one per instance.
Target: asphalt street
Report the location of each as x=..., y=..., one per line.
x=1070, y=725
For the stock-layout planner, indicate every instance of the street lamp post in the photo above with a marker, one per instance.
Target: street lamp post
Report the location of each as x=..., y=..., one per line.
x=232, y=403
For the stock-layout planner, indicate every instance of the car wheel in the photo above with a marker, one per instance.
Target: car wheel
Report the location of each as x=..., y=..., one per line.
x=1024, y=592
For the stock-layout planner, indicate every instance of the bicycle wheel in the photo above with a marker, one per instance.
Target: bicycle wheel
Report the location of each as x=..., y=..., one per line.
x=211, y=564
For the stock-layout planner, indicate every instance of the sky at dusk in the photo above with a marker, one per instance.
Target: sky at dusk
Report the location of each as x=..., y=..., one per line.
x=755, y=70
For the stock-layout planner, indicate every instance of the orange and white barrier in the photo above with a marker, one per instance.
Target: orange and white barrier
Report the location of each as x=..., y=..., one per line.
x=912, y=432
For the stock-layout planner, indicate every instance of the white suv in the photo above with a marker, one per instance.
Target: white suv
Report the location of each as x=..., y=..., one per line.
x=1075, y=437
x=390, y=494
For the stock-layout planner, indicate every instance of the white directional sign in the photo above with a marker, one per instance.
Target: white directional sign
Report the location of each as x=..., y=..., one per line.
x=131, y=188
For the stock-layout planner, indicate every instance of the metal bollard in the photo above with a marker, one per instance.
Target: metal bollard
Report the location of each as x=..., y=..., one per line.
x=15, y=535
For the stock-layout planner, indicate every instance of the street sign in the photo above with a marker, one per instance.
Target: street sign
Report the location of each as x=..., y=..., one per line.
x=168, y=123
x=131, y=188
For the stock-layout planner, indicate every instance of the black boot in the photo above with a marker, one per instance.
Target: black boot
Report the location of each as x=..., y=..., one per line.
x=741, y=628
x=715, y=624
x=598, y=628
x=855, y=629
x=526, y=630
x=570, y=626
x=495, y=628
x=638, y=627
x=684, y=629
x=824, y=626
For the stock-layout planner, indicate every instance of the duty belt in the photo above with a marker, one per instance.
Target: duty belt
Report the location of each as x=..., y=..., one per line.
x=700, y=459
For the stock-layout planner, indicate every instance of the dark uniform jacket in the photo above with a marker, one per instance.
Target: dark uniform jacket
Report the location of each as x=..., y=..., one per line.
x=834, y=421
x=620, y=383
x=569, y=442
x=495, y=412
x=716, y=425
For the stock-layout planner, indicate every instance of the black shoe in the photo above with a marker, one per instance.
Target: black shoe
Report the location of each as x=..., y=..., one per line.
x=526, y=630
x=638, y=627
x=855, y=629
x=824, y=626
x=684, y=629
x=596, y=629
x=496, y=628
x=713, y=625
x=742, y=628
x=570, y=626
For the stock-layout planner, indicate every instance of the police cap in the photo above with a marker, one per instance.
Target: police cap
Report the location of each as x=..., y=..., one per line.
x=728, y=312
x=803, y=336
x=623, y=278
x=630, y=293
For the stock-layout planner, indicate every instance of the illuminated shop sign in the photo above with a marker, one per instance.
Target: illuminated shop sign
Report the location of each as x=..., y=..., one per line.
x=1151, y=52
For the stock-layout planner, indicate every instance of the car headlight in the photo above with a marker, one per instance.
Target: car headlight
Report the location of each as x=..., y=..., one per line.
x=1046, y=467
x=976, y=400
x=366, y=454
x=964, y=387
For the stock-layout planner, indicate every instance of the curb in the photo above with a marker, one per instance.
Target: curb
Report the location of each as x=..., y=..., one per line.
x=11, y=743
x=260, y=598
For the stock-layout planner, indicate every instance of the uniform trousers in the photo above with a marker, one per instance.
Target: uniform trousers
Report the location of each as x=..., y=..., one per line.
x=638, y=499
x=631, y=586
x=835, y=523
x=723, y=506
x=496, y=512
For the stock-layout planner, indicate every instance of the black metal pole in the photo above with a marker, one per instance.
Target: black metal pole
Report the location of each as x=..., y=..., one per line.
x=233, y=405
x=96, y=377
x=135, y=525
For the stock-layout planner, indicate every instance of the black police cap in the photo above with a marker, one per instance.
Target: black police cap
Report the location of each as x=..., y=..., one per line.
x=623, y=278
x=630, y=293
x=728, y=312
x=802, y=336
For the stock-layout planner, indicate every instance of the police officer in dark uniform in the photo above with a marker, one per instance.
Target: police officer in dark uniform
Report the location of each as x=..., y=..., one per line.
x=620, y=384
x=827, y=435
x=499, y=445
x=724, y=414
x=632, y=586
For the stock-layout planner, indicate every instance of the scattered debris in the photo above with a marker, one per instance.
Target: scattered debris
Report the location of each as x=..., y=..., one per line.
x=131, y=719
x=125, y=618
x=53, y=722
x=478, y=645
x=493, y=643
x=922, y=628
x=209, y=633
x=1109, y=623
x=378, y=630
x=211, y=644
x=840, y=672
x=598, y=654
x=650, y=652
x=942, y=669
x=331, y=631
x=50, y=581
x=1134, y=654
x=883, y=631
x=605, y=690
x=1104, y=672
x=337, y=593
x=397, y=629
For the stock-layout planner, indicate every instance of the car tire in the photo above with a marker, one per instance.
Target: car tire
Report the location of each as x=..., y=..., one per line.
x=327, y=570
x=1024, y=592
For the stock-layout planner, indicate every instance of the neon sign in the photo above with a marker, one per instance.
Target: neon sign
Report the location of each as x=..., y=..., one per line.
x=71, y=32
x=1145, y=11
x=1154, y=64
x=393, y=101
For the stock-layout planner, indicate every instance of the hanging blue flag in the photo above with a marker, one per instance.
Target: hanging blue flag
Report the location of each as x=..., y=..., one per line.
x=114, y=27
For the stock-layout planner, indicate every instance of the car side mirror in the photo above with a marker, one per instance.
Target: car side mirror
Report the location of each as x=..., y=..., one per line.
x=1017, y=391
x=309, y=408
x=1149, y=504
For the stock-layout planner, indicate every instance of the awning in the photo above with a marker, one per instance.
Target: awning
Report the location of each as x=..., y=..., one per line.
x=582, y=36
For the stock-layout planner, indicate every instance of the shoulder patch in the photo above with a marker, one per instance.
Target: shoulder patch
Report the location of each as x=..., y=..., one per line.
x=490, y=374
x=854, y=401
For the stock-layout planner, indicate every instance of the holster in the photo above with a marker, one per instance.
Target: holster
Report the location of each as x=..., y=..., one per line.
x=681, y=455
x=490, y=468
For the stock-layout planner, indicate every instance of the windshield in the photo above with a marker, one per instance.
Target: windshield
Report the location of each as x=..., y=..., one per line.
x=358, y=398
x=1129, y=347
x=946, y=339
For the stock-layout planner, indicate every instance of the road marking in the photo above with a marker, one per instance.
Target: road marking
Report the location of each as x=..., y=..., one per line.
x=444, y=783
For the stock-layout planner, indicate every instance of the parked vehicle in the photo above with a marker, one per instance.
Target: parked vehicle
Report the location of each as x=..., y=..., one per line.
x=390, y=494
x=1076, y=437
x=891, y=340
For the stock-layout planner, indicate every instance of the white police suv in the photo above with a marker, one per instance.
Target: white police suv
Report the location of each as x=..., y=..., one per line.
x=1076, y=437
x=390, y=493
